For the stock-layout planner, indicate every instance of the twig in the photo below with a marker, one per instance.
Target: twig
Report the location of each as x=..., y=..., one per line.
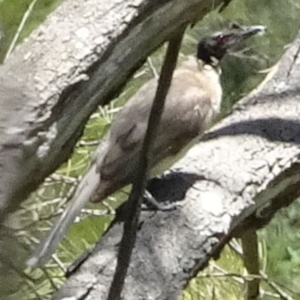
x=295, y=57
x=135, y=198
x=251, y=262
x=59, y=263
x=20, y=28
x=152, y=67
x=49, y=277
x=88, y=143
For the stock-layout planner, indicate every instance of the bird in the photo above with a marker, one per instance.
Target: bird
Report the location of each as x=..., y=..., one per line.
x=193, y=101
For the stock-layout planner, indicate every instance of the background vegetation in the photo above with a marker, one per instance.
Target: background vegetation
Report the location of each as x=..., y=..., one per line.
x=242, y=71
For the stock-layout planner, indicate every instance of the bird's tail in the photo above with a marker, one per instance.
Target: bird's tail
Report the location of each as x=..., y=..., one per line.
x=87, y=187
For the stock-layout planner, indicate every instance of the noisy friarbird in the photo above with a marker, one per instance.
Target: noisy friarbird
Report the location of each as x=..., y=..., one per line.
x=193, y=100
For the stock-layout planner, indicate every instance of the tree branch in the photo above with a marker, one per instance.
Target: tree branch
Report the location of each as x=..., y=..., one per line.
x=135, y=198
x=251, y=262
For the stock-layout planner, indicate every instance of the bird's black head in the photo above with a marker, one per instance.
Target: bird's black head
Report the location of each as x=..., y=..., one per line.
x=211, y=49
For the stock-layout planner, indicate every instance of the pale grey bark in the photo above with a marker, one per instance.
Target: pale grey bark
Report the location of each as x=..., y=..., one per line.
x=244, y=170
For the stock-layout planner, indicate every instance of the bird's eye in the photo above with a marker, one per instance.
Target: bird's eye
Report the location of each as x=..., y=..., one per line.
x=222, y=39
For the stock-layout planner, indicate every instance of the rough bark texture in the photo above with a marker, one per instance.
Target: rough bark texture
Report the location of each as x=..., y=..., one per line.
x=79, y=58
x=244, y=170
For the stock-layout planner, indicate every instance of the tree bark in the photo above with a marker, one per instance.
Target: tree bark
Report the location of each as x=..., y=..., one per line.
x=236, y=178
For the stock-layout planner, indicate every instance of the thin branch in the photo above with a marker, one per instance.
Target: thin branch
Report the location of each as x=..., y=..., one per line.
x=59, y=263
x=135, y=198
x=152, y=68
x=251, y=262
x=20, y=28
x=50, y=279
x=296, y=55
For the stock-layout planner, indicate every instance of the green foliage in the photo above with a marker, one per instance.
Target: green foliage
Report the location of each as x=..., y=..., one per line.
x=221, y=280
x=282, y=243
x=11, y=14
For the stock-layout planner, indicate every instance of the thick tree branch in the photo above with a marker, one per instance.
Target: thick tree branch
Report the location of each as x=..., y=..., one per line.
x=245, y=169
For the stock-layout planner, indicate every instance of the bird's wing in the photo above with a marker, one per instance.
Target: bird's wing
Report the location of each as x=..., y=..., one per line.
x=187, y=115
x=126, y=136
x=187, y=111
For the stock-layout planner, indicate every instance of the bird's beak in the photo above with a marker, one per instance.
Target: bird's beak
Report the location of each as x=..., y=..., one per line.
x=238, y=34
x=248, y=31
x=222, y=42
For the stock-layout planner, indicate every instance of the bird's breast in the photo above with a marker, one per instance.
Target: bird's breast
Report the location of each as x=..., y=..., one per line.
x=209, y=79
